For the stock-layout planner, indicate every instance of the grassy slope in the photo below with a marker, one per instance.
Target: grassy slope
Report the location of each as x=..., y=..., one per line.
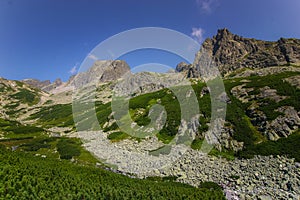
x=244, y=130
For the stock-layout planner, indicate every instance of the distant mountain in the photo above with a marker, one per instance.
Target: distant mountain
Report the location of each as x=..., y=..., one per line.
x=36, y=83
x=231, y=52
x=101, y=71
x=262, y=91
x=46, y=86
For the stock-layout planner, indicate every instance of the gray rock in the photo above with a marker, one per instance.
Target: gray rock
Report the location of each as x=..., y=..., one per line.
x=231, y=52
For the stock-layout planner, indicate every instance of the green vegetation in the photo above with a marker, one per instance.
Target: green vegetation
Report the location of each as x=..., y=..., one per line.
x=196, y=144
x=284, y=146
x=21, y=129
x=5, y=88
x=55, y=147
x=26, y=96
x=168, y=100
x=211, y=186
x=56, y=115
x=227, y=154
x=282, y=87
x=103, y=111
x=165, y=178
x=236, y=110
x=13, y=129
x=117, y=136
x=236, y=116
x=37, y=143
x=49, y=102
x=12, y=105
x=23, y=176
x=7, y=123
x=68, y=148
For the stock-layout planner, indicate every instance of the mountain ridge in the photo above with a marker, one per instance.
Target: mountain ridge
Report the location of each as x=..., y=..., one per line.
x=231, y=52
x=261, y=124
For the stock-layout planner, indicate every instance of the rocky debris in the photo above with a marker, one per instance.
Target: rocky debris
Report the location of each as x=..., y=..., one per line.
x=294, y=81
x=283, y=125
x=274, y=177
x=226, y=139
x=205, y=90
x=189, y=129
x=130, y=156
x=267, y=92
x=241, y=93
x=221, y=136
x=115, y=71
x=258, y=118
x=203, y=67
x=223, y=97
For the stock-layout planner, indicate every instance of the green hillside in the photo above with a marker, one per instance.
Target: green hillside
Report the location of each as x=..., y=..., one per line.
x=23, y=176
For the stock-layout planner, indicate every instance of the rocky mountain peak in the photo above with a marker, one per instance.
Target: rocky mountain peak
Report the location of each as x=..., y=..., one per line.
x=101, y=71
x=231, y=52
x=36, y=83
x=224, y=34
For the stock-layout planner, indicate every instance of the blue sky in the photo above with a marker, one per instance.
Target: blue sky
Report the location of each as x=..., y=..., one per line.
x=46, y=39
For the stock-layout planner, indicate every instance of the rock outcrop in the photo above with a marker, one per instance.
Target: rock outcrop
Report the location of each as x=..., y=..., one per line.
x=284, y=125
x=46, y=86
x=58, y=82
x=230, y=52
x=37, y=83
x=101, y=71
x=189, y=70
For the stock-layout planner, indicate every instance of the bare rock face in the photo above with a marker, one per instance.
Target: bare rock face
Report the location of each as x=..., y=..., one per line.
x=294, y=81
x=188, y=70
x=230, y=52
x=36, y=83
x=116, y=70
x=46, y=86
x=101, y=71
x=58, y=82
x=283, y=125
x=145, y=82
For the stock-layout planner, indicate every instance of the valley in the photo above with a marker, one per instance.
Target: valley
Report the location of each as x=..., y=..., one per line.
x=70, y=131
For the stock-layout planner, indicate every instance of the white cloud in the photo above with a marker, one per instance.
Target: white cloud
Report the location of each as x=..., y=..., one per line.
x=197, y=34
x=74, y=69
x=206, y=5
x=93, y=57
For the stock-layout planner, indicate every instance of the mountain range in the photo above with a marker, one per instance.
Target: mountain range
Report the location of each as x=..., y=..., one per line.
x=261, y=93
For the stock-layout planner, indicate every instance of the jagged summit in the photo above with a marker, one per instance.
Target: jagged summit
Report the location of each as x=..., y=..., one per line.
x=101, y=71
x=231, y=52
x=224, y=33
